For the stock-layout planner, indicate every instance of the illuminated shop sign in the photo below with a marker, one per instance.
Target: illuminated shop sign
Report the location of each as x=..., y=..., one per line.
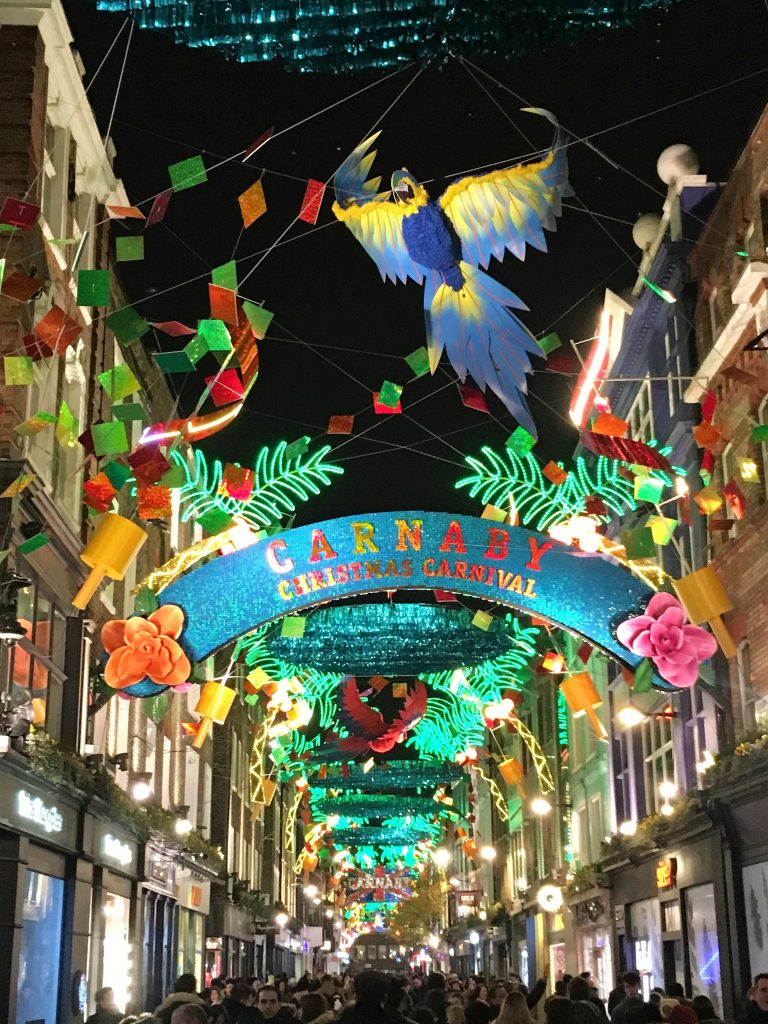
x=113, y=849
x=32, y=809
x=666, y=873
x=510, y=565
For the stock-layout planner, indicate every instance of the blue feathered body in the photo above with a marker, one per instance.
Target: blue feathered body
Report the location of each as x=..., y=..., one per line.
x=429, y=240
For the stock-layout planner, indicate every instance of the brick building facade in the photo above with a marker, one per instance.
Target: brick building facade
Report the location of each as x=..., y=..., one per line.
x=730, y=264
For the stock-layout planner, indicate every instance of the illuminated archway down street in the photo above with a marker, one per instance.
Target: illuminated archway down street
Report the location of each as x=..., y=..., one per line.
x=383, y=501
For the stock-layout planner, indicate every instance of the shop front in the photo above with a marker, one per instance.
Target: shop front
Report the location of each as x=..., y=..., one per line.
x=46, y=898
x=746, y=855
x=593, y=924
x=523, y=947
x=159, y=924
x=671, y=918
x=194, y=895
x=114, y=910
x=229, y=944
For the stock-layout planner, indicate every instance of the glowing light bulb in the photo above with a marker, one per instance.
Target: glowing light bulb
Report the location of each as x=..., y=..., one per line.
x=667, y=789
x=442, y=857
x=540, y=805
x=487, y=853
x=629, y=716
x=628, y=828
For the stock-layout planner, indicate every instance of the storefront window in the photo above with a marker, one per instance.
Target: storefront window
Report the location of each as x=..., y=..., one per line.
x=117, y=948
x=557, y=960
x=703, y=948
x=646, y=934
x=190, y=958
x=522, y=960
x=40, y=957
x=756, y=900
x=595, y=956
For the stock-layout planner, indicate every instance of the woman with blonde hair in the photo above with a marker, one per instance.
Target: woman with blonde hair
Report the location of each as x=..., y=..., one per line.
x=455, y=1013
x=514, y=1010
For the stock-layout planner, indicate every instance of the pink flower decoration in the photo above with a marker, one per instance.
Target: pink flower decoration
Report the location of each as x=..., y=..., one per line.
x=674, y=646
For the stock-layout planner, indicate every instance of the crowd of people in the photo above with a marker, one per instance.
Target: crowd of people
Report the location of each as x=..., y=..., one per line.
x=373, y=997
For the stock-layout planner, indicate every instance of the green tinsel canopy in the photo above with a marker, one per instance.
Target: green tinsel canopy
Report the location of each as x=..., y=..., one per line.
x=401, y=775
x=374, y=805
x=407, y=835
x=392, y=639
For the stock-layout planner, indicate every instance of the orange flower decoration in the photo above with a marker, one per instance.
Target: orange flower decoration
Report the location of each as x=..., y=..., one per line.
x=146, y=649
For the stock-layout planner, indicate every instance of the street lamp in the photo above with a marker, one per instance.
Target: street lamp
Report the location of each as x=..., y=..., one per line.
x=281, y=919
x=442, y=857
x=630, y=716
x=540, y=805
x=141, y=789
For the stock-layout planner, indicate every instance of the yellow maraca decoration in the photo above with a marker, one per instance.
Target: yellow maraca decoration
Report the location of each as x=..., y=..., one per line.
x=704, y=598
x=115, y=543
x=582, y=698
x=214, y=704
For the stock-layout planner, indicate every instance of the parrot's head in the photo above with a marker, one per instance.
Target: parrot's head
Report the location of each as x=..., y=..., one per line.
x=407, y=190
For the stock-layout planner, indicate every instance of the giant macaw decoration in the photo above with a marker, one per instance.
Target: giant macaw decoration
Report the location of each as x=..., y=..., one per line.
x=369, y=731
x=443, y=242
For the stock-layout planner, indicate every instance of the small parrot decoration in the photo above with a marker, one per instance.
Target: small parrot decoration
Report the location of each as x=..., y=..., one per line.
x=366, y=724
x=442, y=242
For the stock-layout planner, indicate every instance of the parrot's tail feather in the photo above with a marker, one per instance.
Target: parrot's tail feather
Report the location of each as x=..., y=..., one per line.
x=481, y=336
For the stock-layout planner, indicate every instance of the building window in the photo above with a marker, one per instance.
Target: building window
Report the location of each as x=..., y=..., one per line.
x=596, y=828
x=40, y=954
x=675, y=386
x=727, y=467
x=658, y=759
x=640, y=416
x=746, y=692
x=762, y=418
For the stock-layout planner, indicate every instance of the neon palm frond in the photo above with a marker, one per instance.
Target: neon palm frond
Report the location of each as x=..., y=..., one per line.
x=281, y=481
x=497, y=479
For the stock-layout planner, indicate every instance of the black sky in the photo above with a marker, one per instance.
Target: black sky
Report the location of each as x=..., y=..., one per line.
x=325, y=290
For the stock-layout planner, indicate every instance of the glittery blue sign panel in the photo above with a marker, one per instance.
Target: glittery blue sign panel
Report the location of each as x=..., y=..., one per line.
x=298, y=569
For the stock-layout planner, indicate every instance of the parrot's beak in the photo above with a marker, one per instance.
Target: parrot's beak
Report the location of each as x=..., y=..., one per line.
x=402, y=187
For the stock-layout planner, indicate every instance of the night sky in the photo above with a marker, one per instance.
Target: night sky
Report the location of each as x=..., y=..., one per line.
x=323, y=288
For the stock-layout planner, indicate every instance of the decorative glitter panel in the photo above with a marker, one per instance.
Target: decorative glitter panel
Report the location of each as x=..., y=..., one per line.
x=586, y=594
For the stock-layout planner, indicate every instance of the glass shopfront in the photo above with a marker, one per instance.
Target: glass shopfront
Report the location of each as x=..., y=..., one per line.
x=596, y=957
x=755, y=878
x=191, y=939
x=703, y=946
x=40, y=956
x=117, y=968
x=645, y=924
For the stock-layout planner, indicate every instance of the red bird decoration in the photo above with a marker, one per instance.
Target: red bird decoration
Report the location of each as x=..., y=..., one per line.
x=367, y=725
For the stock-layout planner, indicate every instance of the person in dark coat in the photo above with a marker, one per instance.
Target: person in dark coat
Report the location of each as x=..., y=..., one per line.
x=106, y=1011
x=632, y=997
x=184, y=991
x=587, y=1012
x=757, y=1002
x=436, y=998
x=268, y=1009
x=371, y=989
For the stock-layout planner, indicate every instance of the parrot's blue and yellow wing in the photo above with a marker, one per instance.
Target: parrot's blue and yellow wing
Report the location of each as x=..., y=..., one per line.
x=374, y=220
x=509, y=209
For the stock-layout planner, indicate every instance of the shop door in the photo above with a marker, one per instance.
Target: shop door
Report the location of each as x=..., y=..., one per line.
x=674, y=967
x=40, y=955
x=160, y=931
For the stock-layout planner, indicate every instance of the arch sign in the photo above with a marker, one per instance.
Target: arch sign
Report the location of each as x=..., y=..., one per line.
x=310, y=565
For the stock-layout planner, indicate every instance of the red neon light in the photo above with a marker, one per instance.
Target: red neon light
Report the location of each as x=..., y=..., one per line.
x=593, y=371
